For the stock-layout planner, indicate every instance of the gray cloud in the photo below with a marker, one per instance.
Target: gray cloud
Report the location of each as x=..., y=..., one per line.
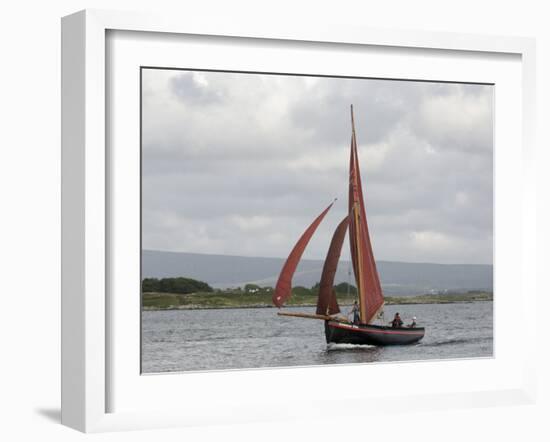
x=190, y=89
x=241, y=163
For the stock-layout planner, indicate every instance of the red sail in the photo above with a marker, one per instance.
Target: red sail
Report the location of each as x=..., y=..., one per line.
x=326, y=302
x=284, y=284
x=371, y=298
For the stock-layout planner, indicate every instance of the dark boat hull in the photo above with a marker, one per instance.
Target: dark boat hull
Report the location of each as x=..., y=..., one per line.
x=345, y=333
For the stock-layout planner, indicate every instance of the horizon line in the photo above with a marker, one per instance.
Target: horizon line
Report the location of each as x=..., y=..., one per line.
x=313, y=259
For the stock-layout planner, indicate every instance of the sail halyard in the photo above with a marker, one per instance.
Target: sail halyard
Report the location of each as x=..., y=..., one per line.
x=326, y=301
x=284, y=283
x=371, y=299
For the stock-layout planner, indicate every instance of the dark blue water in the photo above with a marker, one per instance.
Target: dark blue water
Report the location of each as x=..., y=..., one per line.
x=183, y=340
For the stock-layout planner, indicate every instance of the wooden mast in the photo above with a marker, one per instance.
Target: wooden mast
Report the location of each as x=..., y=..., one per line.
x=371, y=298
x=357, y=228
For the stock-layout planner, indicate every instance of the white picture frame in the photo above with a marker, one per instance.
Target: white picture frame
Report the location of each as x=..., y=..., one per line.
x=87, y=356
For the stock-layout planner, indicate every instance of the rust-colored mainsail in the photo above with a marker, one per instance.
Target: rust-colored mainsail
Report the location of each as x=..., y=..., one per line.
x=284, y=284
x=326, y=301
x=371, y=299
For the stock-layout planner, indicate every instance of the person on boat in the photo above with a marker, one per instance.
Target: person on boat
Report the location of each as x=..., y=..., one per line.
x=397, y=321
x=413, y=323
x=355, y=313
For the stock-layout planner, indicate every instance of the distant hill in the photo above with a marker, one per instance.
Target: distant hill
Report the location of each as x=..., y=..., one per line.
x=399, y=278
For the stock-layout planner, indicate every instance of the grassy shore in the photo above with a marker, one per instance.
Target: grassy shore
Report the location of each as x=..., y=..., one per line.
x=169, y=301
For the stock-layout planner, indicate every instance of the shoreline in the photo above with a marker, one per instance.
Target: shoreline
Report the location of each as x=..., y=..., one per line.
x=254, y=306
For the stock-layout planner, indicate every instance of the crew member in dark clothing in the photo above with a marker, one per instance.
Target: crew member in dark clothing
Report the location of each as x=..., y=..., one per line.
x=397, y=322
x=355, y=312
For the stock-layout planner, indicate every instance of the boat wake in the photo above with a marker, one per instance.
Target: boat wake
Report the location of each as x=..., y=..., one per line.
x=452, y=342
x=338, y=347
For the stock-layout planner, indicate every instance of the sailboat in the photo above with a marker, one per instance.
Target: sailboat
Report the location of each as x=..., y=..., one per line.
x=339, y=329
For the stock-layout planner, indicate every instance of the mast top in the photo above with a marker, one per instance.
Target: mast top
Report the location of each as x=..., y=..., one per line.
x=352, y=119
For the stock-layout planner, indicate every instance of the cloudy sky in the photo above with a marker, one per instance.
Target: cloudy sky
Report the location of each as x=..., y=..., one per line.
x=240, y=164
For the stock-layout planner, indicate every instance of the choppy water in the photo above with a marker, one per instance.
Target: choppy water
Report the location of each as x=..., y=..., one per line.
x=183, y=340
